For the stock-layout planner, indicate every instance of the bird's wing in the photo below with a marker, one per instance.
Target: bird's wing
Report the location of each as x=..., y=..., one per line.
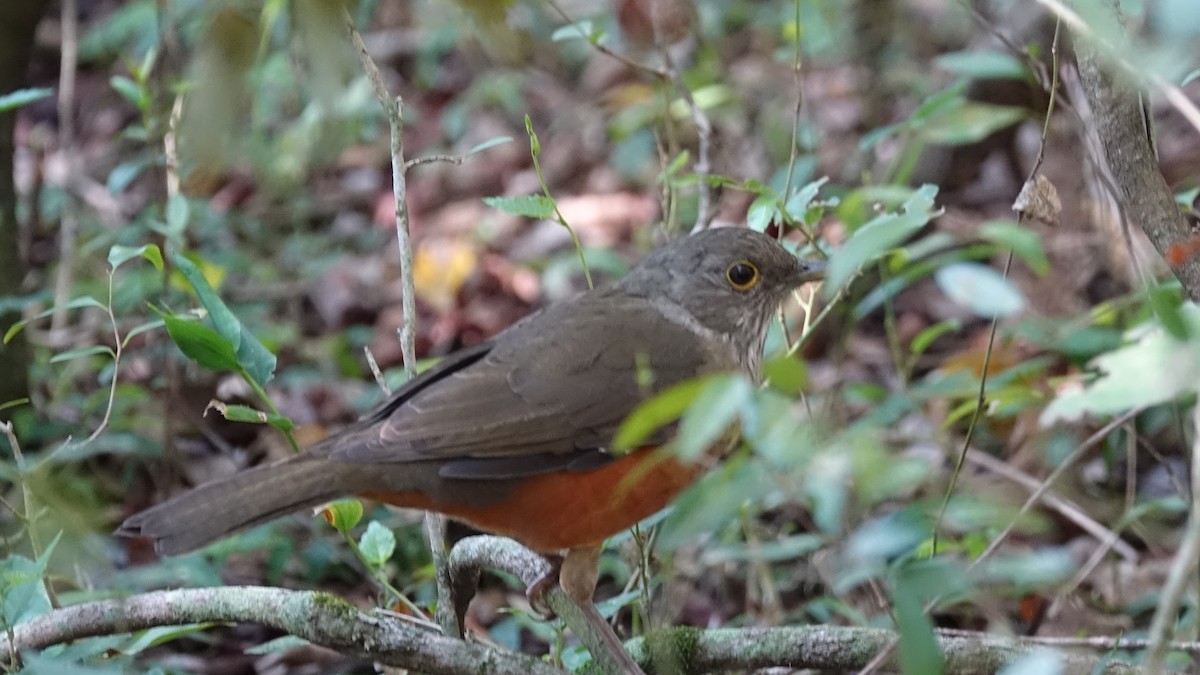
x=548, y=394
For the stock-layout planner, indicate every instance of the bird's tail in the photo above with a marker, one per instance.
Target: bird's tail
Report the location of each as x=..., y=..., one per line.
x=252, y=497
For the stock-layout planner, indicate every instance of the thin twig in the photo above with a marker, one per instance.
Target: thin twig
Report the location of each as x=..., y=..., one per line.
x=1183, y=568
x=981, y=395
x=602, y=48
x=703, y=165
x=69, y=220
x=394, y=107
x=1039, y=493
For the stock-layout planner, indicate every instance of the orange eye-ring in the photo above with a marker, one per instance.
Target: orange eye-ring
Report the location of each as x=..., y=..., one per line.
x=742, y=275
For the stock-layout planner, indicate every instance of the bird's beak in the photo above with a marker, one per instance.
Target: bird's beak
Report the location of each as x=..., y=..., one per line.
x=809, y=270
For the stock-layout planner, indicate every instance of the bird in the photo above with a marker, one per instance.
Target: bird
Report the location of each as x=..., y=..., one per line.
x=514, y=435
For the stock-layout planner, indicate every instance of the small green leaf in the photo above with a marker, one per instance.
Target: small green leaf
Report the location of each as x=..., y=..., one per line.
x=129, y=90
x=926, y=337
x=1164, y=302
x=178, y=211
x=278, y=645
x=489, y=143
x=763, y=211
x=202, y=344
x=529, y=206
x=76, y=303
x=82, y=352
x=237, y=413
x=797, y=204
x=787, y=374
x=377, y=544
x=714, y=502
x=1153, y=368
x=535, y=145
x=712, y=415
x=153, y=637
x=675, y=166
x=584, y=29
x=124, y=173
x=1025, y=243
x=20, y=97
x=980, y=289
x=252, y=355
x=119, y=255
x=655, y=413
x=223, y=319
x=878, y=236
x=919, y=652
x=14, y=403
x=969, y=123
x=983, y=65
x=344, y=514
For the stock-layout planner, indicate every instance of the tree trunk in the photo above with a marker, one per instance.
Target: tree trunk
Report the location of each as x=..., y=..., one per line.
x=18, y=23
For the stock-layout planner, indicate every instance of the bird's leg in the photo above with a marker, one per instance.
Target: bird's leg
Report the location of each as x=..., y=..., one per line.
x=579, y=572
x=578, y=575
x=544, y=583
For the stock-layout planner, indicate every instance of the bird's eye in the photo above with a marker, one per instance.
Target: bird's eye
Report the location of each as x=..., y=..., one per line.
x=742, y=275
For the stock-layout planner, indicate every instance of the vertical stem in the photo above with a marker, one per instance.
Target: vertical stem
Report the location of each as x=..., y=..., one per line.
x=434, y=523
x=1183, y=569
x=69, y=222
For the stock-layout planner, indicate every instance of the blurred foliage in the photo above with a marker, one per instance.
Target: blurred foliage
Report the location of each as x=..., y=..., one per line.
x=176, y=291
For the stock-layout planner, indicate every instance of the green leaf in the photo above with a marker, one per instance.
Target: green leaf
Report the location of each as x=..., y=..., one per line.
x=980, y=289
x=252, y=355
x=712, y=416
x=948, y=99
x=278, y=645
x=651, y=415
x=223, y=319
x=675, y=166
x=1154, y=368
x=797, y=204
x=153, y=637
x=119, y=255
x=14, y=403
x=21, y=589
x=714, y=502
x=983, y=65
x=178, y=211
x=238, y=413
x=129, y=90
x=202, y=344
x=1042, y=568
x=344, y=514
x=778, y=550
x=82, y=352
x=926, y=337
x=377, y=544
x=584, y=29
x=1164, y=301
x=763, y=211
x=877, y=236
x=489, y=143
x=969, y=123
x=919, y=652
x=1024, y=243
x=529, y=206
x=124, y=173
x=20, y=97
x=76, y=303
x=787, y=374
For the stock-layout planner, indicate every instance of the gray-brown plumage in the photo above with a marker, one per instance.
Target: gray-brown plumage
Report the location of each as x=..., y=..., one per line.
x=541, y=399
